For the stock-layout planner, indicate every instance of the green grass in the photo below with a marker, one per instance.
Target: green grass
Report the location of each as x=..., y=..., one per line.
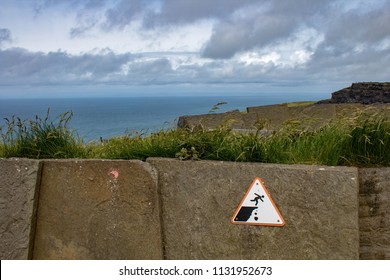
x=300, y=103
x=359, y=140
x=40, y=138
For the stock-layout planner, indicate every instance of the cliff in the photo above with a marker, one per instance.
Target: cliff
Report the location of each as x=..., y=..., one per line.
x=365, y=93
x=309, y=114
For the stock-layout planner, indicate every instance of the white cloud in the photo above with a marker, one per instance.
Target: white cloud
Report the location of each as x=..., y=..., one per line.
x=139, y=42
x=251, y=58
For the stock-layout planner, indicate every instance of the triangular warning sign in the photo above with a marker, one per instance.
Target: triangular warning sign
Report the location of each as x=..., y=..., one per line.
x=257, y=208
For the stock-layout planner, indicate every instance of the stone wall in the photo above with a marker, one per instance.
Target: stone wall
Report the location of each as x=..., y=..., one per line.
x=234, y=119
x=272, y=117
x=94, y=209
x=263, y=117
x=319, y=205
x=343, y=102
x=19, y=187
x=171, y=209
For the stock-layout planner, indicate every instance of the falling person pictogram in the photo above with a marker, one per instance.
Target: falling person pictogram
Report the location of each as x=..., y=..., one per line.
x=256, y=199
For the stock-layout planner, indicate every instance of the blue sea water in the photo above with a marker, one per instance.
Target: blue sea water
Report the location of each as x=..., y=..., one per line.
x=108, y=117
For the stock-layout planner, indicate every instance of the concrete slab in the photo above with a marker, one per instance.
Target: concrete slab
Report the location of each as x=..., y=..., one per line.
x=319, y=205
x=19, y=179
x=95, y=209
x=374, y=213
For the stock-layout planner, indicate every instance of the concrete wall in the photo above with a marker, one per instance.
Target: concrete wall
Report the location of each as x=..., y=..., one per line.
x=19, y=186
x=374, y=213
x=170, y=209
x=319, y=206
x=93, y=209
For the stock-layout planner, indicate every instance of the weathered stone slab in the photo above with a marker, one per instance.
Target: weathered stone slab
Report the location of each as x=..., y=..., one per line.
x=94, y=209
x=273, y=117
x=231, y=119
x=319, y=205
x=19, y=181
x=308, y=116
x=374, y=213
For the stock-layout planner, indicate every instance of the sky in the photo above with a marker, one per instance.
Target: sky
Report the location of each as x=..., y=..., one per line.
x=120, y=47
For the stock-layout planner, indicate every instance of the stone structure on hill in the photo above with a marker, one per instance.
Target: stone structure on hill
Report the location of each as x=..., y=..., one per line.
x=365, y=93
x=308, y=114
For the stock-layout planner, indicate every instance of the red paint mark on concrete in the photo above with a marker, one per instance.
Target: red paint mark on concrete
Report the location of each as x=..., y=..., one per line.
x=114, y=174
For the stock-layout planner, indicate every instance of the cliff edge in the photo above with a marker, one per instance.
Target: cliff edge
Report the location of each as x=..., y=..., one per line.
x=308, y=114
x=364, y=93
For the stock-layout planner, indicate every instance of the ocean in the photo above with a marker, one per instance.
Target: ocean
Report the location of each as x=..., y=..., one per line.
x=109, y=117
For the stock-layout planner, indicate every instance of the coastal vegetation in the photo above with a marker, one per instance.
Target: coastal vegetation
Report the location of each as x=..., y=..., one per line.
x=361, y=139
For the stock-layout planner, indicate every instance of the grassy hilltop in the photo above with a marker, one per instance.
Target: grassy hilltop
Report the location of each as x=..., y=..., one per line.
x=359, y=138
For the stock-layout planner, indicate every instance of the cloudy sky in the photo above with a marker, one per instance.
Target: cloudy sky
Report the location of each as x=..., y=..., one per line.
x=160, y=46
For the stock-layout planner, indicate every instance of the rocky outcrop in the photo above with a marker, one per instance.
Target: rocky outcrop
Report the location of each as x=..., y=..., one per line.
x=365, y=93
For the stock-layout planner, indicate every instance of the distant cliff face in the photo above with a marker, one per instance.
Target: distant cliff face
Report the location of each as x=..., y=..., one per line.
x=365, y=93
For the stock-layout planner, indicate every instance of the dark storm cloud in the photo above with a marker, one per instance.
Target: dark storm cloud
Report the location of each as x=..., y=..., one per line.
x=233, y=36
x=357, y=26
x=241, y=25
x=261, y=22
x=355, y=43
x=342, y=28
x=169, y=12
x=277, y=20
x=356, y=46
x=20, y=66
x=363, y=65
x=160, y=13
